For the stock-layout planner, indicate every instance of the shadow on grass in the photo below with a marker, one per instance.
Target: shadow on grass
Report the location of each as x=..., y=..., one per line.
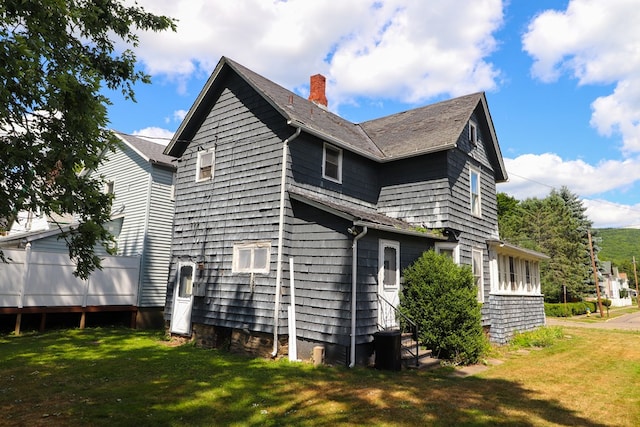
x=123, y=377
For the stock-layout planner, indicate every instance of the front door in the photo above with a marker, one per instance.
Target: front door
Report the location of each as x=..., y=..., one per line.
x=388, y=283
x=183, y=300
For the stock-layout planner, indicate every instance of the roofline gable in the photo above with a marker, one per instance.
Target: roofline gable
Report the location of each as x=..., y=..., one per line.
x=354, y=138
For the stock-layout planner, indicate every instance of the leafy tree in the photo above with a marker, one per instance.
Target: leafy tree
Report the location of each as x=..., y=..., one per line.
x=442, y=297
x=56, y=57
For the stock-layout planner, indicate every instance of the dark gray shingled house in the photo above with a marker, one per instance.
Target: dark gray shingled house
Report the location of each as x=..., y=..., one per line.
x=292, y=225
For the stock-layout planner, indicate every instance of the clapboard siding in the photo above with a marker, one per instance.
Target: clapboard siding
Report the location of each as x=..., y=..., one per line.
x=156, y=256
x=240, y=203
x=142, y=193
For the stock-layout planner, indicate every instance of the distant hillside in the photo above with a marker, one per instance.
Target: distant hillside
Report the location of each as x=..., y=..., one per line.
x=619, y=244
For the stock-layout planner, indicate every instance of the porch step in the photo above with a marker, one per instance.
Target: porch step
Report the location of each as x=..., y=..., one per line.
x=408, y=349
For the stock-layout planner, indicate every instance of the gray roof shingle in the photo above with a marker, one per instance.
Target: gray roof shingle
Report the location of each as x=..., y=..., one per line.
x=432, y=128
x=152, y=151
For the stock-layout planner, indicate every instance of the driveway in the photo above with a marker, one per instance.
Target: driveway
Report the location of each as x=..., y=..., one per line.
x=629, y=322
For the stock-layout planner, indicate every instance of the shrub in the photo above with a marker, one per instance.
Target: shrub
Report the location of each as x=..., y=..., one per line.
x=441, y=298
x=569, y=309
x=540, y=337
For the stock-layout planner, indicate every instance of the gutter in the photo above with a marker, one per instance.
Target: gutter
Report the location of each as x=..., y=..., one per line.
x=283, y=183
x=354, y=281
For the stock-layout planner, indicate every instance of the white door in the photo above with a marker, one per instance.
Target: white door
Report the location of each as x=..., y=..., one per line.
x=388, y=283
x=183, y=300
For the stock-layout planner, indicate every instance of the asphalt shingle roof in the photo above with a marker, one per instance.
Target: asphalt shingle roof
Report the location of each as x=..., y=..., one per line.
x=153, y=151
x=432, y=128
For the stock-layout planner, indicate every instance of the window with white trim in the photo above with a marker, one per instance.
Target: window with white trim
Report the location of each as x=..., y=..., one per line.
x=473, y=133
x=332, y=163
x=390, y=263
x=252, y=257
x=474, y=184
x=448, y=249
x=204, y=165
x=477, y=270
x=109, y=187
x=517, y=275
x=185, y=279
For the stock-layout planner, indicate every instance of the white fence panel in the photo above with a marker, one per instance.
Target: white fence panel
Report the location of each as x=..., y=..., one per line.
x=50, y=281
x=32, y=279
x=11, y=278
x=116, y=284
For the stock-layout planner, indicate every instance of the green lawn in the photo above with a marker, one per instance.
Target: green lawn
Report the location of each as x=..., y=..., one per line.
x=123, y=377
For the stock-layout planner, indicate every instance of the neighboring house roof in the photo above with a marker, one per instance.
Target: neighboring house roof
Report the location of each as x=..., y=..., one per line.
x=359, y=215
x=423, y=130
x=20, y=239
x=509, y=249
x=150, y=151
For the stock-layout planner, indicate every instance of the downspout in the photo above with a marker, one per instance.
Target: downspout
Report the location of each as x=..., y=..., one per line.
x=283, y=183
x=354, y=281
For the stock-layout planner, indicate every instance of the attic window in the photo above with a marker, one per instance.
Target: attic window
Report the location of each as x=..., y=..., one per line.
x=109, y=187
x=473, y=133
x=204, y=168
x=332, y=163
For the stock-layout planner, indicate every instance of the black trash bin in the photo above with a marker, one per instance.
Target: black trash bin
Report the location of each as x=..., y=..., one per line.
x=388, y=350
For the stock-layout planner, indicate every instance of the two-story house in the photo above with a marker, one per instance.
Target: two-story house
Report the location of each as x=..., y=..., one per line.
x=286, y=211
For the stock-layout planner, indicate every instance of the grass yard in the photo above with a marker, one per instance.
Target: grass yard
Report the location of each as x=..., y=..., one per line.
x=97, y=377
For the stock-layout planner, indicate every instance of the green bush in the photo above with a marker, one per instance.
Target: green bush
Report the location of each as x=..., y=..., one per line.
x=540, y=337
x=441, y=298
x=569, y=309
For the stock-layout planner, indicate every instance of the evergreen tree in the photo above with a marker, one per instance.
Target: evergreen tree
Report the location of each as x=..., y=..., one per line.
x=557, y=226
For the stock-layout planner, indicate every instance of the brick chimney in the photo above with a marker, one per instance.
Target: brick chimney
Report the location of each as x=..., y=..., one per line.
x=317, y=89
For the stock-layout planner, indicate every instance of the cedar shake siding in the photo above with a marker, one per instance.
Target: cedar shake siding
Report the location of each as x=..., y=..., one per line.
x=405, y=179
x=240, y=204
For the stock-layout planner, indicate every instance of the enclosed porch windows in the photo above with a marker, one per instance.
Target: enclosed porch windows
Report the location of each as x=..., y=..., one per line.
x=518, y=275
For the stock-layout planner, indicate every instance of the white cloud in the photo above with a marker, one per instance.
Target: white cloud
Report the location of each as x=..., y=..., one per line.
x=595, y=42
x=368, y=48
x=177, y=116
x=533, y=175
x=155, y=134
x=605, y=214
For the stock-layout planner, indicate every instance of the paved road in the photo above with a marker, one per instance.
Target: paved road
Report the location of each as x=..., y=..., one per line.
x=630, y=322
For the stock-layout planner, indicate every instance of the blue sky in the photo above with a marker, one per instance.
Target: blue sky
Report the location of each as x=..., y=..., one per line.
x=560, y=76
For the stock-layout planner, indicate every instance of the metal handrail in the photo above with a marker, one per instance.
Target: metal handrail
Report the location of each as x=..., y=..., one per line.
x=408, y=321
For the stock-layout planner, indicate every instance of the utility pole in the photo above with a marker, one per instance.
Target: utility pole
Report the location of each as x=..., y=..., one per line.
x=635, y=275
x=595, y=275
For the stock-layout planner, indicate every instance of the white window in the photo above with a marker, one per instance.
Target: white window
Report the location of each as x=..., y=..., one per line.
x=251, y=257
x=185, y=280
x=204, y=168
x=332, y=163
x=517, y=275
x=473, y=133
x=109, y=187
x=474, y=183
x=172, y=189
x=448, y=249
x=390, y=263
x=476, y=268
